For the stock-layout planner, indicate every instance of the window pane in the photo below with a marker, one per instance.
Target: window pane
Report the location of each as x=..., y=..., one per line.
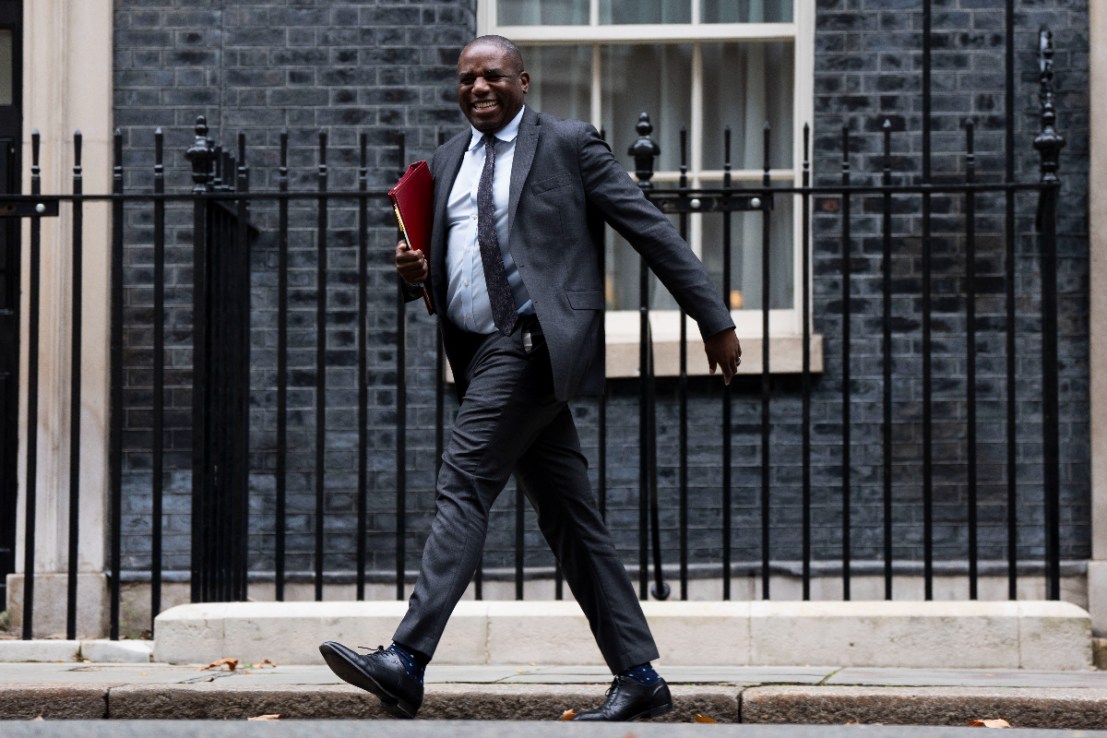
x=652, y=79
x=561, y=80
x=645, y=11
x=745, y=86
x=6, y=72
x=746, y=11
x=745, y=260
x=542, y=12
x=655, y=79
x=746, y=254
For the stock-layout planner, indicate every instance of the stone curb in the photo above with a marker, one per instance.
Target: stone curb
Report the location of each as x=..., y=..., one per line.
x=1080, y=709
x=53, y=702
x=1084, y=709
x=443, y=702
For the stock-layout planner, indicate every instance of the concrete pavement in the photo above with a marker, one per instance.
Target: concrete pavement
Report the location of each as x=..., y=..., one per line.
x=829, y=696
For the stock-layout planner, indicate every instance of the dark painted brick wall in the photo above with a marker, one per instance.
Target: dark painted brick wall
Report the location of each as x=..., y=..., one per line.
x=869, y=56
x=381, y=67
x=348, y=69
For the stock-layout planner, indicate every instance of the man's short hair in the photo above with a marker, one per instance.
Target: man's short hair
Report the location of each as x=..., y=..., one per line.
x=505, y=45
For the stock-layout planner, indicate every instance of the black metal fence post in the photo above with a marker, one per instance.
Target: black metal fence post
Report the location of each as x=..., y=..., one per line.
x=1049, y=144
x=220, y=385
x=31, y=487
x=886, y=352
x=321, y=179
x=115, y=447
x=281, y=480
x=401, y=421
x=201, y=156
x=157, y=481
x=644, y=150
x=970, y=359
x=847, y=313
x=75, y=391
x=766, y=375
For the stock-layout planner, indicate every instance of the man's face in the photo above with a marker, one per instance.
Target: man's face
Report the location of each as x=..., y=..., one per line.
x=490, y=86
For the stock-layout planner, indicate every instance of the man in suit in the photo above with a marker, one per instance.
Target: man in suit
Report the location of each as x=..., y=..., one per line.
x=514, y=272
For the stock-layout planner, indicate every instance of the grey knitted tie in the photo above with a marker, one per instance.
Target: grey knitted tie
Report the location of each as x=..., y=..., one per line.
x=495, y=278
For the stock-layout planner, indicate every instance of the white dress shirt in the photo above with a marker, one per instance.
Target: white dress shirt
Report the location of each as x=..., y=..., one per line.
x=467, y=302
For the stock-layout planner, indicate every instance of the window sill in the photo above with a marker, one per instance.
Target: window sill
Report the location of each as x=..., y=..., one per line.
x=785, y=351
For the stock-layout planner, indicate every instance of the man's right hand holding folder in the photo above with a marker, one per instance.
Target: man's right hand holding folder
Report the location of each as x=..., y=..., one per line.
x=411, y=264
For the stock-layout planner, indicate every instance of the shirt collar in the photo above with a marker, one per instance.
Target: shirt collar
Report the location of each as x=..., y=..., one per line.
x=508, y=133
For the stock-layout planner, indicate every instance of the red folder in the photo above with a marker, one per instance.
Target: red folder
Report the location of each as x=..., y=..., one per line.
x=413, y=202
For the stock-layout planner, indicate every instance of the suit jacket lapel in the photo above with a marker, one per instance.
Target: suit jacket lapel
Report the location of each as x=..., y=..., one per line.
x=525, y=146
x=450, y=162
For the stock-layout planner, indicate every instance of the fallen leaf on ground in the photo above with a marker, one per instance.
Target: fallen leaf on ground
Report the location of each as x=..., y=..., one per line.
x=703, y=719
x=231, y=664
x=990, y=723
x=263, y=664
x=266, y=717
x=568, y=714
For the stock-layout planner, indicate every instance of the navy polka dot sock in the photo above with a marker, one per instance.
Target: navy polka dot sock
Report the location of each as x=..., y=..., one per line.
x=643, y=674
x=413, y=664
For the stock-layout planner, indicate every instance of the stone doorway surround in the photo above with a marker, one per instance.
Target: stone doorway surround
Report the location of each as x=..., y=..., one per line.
x=67, y=86
x=1097, y=247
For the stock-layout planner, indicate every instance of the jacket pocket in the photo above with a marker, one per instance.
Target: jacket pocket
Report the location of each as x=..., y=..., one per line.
x=550, y=183
x=585, y=299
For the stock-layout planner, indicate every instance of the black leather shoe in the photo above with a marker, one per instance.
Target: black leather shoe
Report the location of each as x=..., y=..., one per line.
x=628, y=699
x=381, y=673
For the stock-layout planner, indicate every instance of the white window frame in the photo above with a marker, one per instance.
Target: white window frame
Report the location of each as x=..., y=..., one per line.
x=785, y=325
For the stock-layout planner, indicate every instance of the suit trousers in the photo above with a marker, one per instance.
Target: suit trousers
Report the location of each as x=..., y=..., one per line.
x=510, y=422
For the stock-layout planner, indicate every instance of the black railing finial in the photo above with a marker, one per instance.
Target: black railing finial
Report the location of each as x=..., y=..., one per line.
x=202, y=155
x=1048, y=142
x=644, y=150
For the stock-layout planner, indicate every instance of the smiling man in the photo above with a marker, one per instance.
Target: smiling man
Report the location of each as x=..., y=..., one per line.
x=514, y=271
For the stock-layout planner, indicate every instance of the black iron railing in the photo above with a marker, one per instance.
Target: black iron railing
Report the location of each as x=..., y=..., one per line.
x=299, y=266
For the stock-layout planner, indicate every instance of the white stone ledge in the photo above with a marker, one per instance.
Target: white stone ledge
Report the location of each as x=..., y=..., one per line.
x=1009, y=635
x=39, y=651
x=98, y=651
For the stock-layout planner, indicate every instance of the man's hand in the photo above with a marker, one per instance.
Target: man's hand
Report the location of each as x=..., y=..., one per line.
x=724, y=351
x=411, y=264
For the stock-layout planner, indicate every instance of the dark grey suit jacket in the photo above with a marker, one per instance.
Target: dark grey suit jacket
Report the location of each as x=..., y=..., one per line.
x=564, y=180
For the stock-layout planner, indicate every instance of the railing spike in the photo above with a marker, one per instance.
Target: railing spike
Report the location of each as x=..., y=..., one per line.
x=644, y=150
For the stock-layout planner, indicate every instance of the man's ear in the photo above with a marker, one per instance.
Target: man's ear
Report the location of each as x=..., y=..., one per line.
x=524, y=79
